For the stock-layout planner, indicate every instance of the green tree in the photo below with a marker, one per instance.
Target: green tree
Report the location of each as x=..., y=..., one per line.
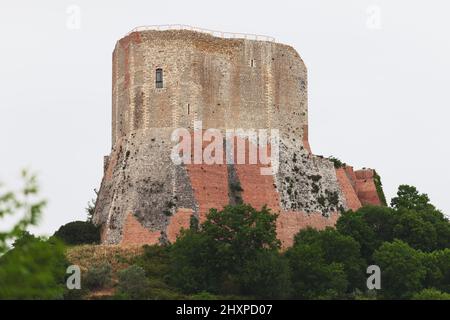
x=408, y=197
x=438, y=269
x=195, y=263
x=98, y=276
x=215, y=257
x=337, y=248
x=266, y=276
x=156, y=263
x=22, y=204
x=381, y=221
x=441, y=227
x=442, y=258
x=402, y=269
x=78, y=232
x=312, y=277
x=33, y=269
x=410, y=227
x=242, y=228
x=425, y=230
x=91, y=207
x=133, y=283
x=418, y=222
x=355, y=225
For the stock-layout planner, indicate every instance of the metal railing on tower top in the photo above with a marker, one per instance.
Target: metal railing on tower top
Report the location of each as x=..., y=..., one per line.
x=220, y=34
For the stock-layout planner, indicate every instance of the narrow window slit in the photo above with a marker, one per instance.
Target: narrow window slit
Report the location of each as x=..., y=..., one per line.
x=159, y=78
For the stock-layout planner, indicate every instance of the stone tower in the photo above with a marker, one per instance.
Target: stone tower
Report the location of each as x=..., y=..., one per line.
x=163, y=80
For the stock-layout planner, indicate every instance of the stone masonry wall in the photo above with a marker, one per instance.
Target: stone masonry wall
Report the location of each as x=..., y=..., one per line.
x=224, y=83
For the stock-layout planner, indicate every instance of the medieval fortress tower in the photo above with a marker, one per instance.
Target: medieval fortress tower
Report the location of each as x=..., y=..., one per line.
x=169, y=79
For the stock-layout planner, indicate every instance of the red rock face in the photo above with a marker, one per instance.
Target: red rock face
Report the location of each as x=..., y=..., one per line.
x=258, y=190
x=290, y=223
x=365, y=187
x=358, y=183
x=180, y=220
x=209, y=181
x=210, y=186
x=135, y=233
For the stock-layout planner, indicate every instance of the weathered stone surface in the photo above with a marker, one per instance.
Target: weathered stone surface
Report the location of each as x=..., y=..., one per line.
x=306, y=182
x=141, y=179
x=209, y=79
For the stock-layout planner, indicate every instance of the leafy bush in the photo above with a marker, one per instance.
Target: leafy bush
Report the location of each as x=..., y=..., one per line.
x=97, y=277
x=409, y=241
x=337, y=163
x=370, y=226
x=194, y=263
x=133, y=283
x=23, y=205
x=155, y=261
x=33, y=269
x=425, y=230
x=337, y=248
x=235, y=254
x=312, y=276
x=431, y=294
x=267, y=276
x=204, y=295
x=379, y=187
x=403, y=272
x=78, y=232
x=75, y=294
x=408, y=197
x=438, y=270
x=214, y=258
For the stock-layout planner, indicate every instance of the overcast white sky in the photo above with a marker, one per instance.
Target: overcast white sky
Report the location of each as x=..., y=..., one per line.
x=378, y=85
